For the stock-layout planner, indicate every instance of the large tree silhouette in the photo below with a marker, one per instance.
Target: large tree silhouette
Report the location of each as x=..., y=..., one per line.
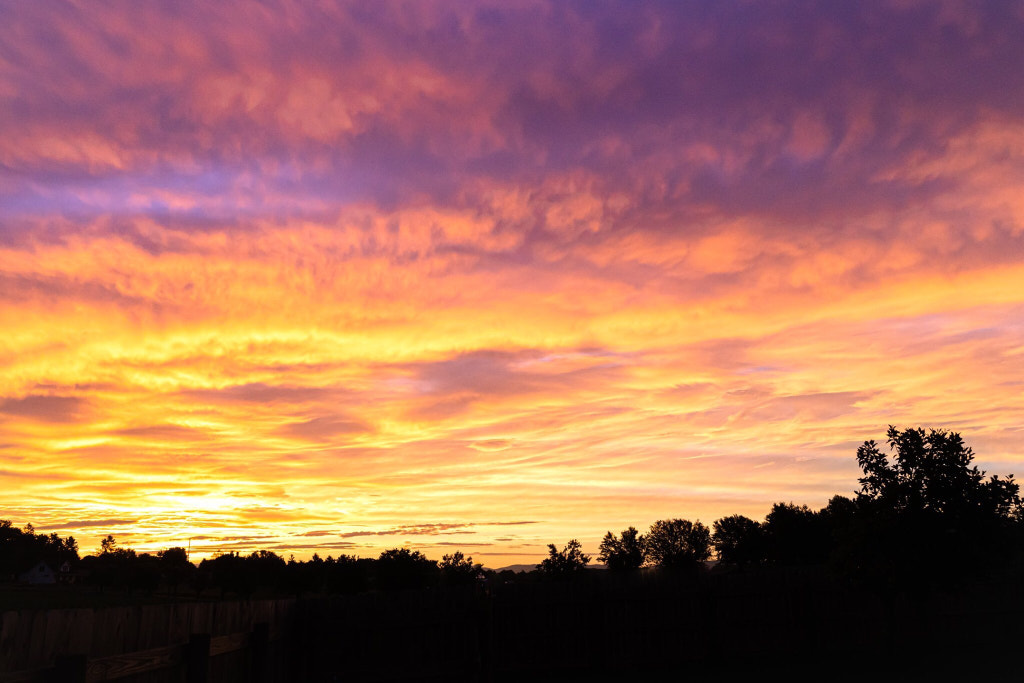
x=926, y=513
x=738, y=540
x=931, y=472
x=678, y=544
x=623, y=553
x=796, y=534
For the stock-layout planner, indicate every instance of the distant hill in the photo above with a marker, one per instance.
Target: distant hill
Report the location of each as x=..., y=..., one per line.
x=531, y=567
x=596, y=565
x=517, y=568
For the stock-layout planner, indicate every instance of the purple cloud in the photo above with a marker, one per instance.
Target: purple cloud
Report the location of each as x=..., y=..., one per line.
x=44, y=408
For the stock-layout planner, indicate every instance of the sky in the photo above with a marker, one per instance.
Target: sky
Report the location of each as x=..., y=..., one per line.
x=483, y=276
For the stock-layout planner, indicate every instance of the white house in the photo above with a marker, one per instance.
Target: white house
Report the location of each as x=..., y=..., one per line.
x=39, y=574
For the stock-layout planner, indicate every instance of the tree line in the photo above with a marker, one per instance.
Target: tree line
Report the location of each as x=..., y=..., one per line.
x=924, y=515
x=233, y=574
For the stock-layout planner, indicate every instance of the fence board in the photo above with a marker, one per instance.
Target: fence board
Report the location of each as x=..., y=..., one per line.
x=133, y=641
x=508, y=633
x=229, y=643
x=152, y=626
x=119, y=666
x=8, y=634
x=21, y=677
x=37, y=638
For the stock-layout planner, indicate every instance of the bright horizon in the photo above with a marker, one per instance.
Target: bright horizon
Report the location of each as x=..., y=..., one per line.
x=487, y=276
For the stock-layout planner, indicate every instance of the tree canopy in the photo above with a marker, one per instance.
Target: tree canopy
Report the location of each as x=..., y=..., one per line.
x=566, y=562
x=623, y=553
x=400, y=568
x=21, y=548
x=458, y=569
x=678, y=543
x=926, y=513
x=738, y=540
x=931, y=472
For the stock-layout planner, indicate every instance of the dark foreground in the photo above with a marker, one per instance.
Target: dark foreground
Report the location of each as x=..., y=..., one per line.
x=790, y=625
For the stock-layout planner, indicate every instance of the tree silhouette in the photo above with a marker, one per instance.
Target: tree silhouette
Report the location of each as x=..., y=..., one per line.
x=678, y=544
x=348, y=574
x=625, y=553
x=565, y=563
x=927, y=514
x=401, y=568
x=122, y=567
x=931, y=472
x=796, y=534
x=21, y=549
x=108, y=545
x=228, y=573
x=739, y=540
x=457, y=569
x=175, y=567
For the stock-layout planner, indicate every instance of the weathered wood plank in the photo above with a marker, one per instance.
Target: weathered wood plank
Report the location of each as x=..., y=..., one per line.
x=8, y=633
x=79, y=635
x=119, y=666
x=109, y=632
x=126, y=639
x=228, y=643
x=152, y=627
x=200, y=620
x=34, y=648
x=34, y=676
x=178, y=623
x=131, y=625
x=51, y=644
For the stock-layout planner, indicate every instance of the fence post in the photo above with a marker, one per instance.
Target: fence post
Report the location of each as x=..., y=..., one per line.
x=485, y=637
x=259, y=644
x=197, y=658
x=70, y=669
x=321, y=641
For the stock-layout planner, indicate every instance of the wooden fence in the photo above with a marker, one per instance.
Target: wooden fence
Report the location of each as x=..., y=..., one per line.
x=598, y=630
x=191, y=642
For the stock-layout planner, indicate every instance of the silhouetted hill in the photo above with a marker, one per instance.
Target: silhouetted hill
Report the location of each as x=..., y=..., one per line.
x=532, y=567
x=517, y=568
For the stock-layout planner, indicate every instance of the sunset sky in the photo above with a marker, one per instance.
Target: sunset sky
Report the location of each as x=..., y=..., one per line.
x=483, y=276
